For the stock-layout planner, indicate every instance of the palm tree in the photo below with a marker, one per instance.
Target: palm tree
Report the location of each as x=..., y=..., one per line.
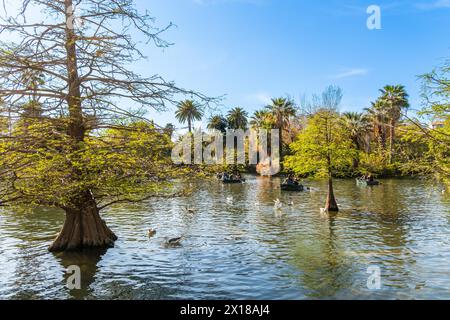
x=282, y=110
x=237, y=119
x=188, y=111
x=169, y=129
x=358, y=127
x=261, y=119
x=378, y=116
x=394, y=99
x=219, y=123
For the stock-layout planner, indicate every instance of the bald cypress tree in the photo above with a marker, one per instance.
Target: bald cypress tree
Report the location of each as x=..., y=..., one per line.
x=76, y=154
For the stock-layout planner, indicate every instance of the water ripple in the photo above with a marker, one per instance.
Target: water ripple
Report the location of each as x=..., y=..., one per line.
x=244, y=249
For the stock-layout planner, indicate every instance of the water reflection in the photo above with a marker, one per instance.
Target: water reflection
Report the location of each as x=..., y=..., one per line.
x=324, y=269
x=87, y=261
x=244, y=249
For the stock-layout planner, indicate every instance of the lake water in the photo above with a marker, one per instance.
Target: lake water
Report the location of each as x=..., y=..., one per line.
x=244, y=249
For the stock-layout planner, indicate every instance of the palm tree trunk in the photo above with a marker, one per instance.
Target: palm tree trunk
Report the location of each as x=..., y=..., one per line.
x=280, y=145
x=391, y=140
x=356, y=158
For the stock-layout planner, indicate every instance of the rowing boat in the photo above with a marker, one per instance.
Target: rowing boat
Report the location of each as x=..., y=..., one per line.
x=232, y=181
x=292, y=187
x=364, y=182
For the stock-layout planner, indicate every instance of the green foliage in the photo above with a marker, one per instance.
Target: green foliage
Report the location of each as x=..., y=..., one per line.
x=358, y=126
x=437, y=96
x=4, y=125
x=120, y=164
x=439, y=145
x=372, y=163
x=218, y=123
x=262, y=119
x=281, y=109
x=66, y=92
x=237, y=119
x=394, y=99
x=324, y=148
x=188, y=112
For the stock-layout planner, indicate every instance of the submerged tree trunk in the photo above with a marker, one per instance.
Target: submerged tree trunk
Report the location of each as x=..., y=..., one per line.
x=83, y=228
x=331, y=204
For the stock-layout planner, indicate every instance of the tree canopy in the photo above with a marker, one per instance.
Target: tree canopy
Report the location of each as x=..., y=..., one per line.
x=72, y=143
x=324, y=148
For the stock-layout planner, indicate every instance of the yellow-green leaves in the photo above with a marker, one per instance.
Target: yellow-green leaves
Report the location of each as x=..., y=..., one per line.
x=46, y=167
x=323, y=148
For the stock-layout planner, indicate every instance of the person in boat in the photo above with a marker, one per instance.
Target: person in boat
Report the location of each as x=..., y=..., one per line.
x=225, y=176
x=290, y=181
x=370, y=178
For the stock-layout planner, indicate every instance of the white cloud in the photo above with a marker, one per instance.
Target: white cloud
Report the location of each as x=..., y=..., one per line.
x=350, y=73
x=262, y=98
x=439, y=4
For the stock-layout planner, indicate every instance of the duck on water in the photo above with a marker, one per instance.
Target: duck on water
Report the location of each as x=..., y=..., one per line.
x=174, y=242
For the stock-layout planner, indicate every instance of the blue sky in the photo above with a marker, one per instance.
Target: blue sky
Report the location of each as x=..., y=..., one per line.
x=251, y=50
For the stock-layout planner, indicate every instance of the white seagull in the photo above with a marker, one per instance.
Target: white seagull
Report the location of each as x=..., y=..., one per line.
x=278, y=204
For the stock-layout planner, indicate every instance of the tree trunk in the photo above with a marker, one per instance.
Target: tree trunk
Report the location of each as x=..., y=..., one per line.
x=391, y=140
x=355, y=163
x=76, y=128
x=83, y=228
x=281, y=147
x=356, y=160
x=381, y=137
x=331, y=204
